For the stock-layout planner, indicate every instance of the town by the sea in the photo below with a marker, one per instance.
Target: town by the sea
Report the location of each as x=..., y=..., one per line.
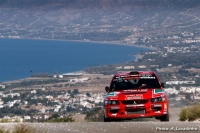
x=19, y=58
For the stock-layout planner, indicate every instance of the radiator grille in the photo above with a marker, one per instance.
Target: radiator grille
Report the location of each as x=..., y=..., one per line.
x=134, y=102
x=135, y=111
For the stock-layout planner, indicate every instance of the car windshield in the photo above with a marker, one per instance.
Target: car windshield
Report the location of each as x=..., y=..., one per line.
x=126, y=83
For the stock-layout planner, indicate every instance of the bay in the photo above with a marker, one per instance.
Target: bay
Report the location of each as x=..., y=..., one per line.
x=19, y=58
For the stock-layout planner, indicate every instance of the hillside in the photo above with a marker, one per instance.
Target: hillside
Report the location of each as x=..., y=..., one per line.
x=100, y=4
x=105, y=20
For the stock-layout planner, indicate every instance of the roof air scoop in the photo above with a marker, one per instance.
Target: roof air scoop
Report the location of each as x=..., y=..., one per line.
x=134, y=73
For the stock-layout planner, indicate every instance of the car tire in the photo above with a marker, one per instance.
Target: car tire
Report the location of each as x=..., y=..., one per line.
x=106, y=119
x=164, y=118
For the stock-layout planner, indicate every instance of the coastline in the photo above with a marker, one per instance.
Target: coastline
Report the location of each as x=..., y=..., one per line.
x=137, y=55
x=89, y=41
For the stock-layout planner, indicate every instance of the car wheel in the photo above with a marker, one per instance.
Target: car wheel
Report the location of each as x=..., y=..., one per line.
x=164, y=118
x=106, y=119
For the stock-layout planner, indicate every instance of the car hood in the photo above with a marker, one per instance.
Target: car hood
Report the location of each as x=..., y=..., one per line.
x=135, y=94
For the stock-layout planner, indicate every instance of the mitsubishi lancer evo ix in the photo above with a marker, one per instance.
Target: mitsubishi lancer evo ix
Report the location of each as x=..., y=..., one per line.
x=135, y=95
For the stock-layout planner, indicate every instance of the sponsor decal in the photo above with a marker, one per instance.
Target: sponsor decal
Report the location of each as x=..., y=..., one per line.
x=156, y=91
x=133, y=97
x=111, y=94
x=138, y=90
x=121, y=78
x=147, y=77
x=142, y=90
x=113, y=98
x=114, y=94
x=130, y=78
x=129, y=90
x=157, y=105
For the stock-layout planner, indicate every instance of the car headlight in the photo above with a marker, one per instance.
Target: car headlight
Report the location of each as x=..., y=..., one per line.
x=111, y=102
x=105, y=102
x=158, y=99
x=114, y=102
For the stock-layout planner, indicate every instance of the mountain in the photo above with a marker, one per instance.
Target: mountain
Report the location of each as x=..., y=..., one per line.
x=105, y=20
x=100, y=4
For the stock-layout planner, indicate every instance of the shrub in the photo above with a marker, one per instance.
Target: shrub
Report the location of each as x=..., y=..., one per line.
x=2, y=130
x=56, y=118
x=183, y=116
x=4, y=120
x=67, y=119
x=95, y=115
x=22, y=128
x=190, y=113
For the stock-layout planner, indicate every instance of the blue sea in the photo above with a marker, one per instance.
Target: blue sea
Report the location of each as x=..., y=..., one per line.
x=19, y=58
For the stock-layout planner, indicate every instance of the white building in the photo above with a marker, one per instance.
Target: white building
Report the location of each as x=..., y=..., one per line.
x=142, y=66
x=129, y=67
x=79, y=79
x=171, y=91
x=180, y=82
x=120, y=67
x=27, y=117
x=2, y=86
x=33, y=91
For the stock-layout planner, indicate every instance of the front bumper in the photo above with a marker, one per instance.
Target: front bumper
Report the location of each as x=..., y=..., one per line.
x=135, y=111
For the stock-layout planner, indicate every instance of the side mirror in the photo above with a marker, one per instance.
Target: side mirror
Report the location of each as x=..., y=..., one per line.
x=107, y=89
x=163, y=85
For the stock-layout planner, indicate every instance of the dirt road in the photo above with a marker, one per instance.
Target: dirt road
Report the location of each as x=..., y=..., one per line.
x=114, y=127
x=145, y=125
x=174, y=116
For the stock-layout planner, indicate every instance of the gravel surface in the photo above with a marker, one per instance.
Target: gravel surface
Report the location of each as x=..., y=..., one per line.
x=114, y=127
x=144, y=125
